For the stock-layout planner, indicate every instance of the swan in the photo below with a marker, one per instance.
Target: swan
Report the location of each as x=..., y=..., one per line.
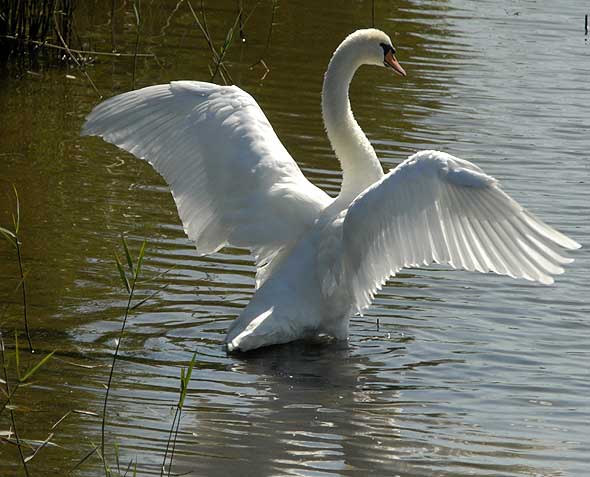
x=320, y=259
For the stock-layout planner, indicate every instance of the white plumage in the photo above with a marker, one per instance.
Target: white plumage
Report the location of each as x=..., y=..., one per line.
x=320, y=259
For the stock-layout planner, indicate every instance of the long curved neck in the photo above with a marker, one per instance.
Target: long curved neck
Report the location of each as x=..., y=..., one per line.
x=360, y=166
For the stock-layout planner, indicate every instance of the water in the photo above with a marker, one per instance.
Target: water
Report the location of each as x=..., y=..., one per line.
x=448, y=374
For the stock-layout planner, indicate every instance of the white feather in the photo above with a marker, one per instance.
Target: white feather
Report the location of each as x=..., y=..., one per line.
x=482, y=228
x=232, y=180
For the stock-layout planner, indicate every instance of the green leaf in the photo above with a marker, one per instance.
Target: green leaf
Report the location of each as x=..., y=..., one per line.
x=117, y=458
x=185, y=378
x=35, y=368
x=127, y=255
x=16, y=219
x=147, y=298
x=228, y=39
x=17, y=355
x=191, y=366
x=122, y=273
x=140, y=259
x=137, y=17
x=8, y=235
x=84, y=459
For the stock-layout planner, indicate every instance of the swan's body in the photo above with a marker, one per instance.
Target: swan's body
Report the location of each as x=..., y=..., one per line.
x=319, y=259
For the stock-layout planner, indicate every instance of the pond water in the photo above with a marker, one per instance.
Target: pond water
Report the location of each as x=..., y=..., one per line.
x=448, y=374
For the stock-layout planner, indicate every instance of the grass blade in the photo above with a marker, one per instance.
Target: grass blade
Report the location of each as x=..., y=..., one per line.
x=124, y=280
x=17, y=355
x=16, y=217
x=127, y=255
x=186, y=379
x=84, y=459
x=117, y=458
x=43, y=444
x=8, y=235
x=35, y=368
x=149, y=297
x=140, y=259
x=12, y=418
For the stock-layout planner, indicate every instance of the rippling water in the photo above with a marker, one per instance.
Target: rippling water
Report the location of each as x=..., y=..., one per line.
x=449, y=373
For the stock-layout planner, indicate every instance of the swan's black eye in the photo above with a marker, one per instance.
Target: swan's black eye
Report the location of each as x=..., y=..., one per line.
x=387, y=48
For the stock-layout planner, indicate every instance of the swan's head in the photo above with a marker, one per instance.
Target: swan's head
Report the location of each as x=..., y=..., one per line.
x=372, y=47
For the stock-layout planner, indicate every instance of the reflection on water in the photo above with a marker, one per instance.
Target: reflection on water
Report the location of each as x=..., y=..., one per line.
x=447, y=374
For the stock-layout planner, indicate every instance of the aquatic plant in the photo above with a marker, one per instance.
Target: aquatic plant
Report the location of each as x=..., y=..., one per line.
x=129, y=273
x=9, y=390
x=129, y=282
x=185, y=377
x=13, y=238
x=25, y=25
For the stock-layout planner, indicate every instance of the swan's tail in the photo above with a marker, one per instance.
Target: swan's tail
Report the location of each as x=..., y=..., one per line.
x=255, y=334
x=263, y=324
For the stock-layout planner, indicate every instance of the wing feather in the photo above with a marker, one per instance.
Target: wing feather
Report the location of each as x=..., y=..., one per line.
x=232, y=180
x=437, y=208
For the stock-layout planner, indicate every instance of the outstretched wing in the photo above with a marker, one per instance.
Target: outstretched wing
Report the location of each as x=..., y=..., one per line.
x=232, y=180
x=435, y=207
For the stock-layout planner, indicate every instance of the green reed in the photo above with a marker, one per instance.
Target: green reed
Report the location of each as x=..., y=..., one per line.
x=136, y=10
x=219, y=54
x=129, y=279
x=185, y=377
x=129, y=270
x=10, y=390
x=25, y=25
x=13, y=238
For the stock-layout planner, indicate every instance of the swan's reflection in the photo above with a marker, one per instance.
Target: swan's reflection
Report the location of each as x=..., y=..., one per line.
x=334, y=409
x=314, y=412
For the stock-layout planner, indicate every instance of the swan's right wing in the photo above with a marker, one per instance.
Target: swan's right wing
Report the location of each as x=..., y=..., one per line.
x=435, y=207
x=231, y=178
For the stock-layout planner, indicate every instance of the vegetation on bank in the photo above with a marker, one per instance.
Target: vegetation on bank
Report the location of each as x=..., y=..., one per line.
x=33, y=28
x=28, y=27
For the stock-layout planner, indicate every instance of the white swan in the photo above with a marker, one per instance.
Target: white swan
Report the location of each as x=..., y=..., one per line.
x=320, y=259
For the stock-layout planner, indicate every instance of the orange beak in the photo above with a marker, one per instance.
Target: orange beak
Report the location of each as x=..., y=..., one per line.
x=391, y=61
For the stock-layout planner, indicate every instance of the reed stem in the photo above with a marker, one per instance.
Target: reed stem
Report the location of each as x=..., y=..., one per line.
x=134, y=270
x=12, y=418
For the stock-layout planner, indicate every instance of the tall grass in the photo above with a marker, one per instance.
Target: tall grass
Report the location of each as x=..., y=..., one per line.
x=10, y=390
x=9, y=405
x=218, y=54
x=129, y=279
x=129, y=272
x=136, y=11
x=185, y=377
x=27, y=24
x=29, y=27
x=13, y=238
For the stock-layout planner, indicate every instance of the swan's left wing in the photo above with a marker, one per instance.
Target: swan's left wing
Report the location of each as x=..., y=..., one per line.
x=231, y=178
x=435, y=207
